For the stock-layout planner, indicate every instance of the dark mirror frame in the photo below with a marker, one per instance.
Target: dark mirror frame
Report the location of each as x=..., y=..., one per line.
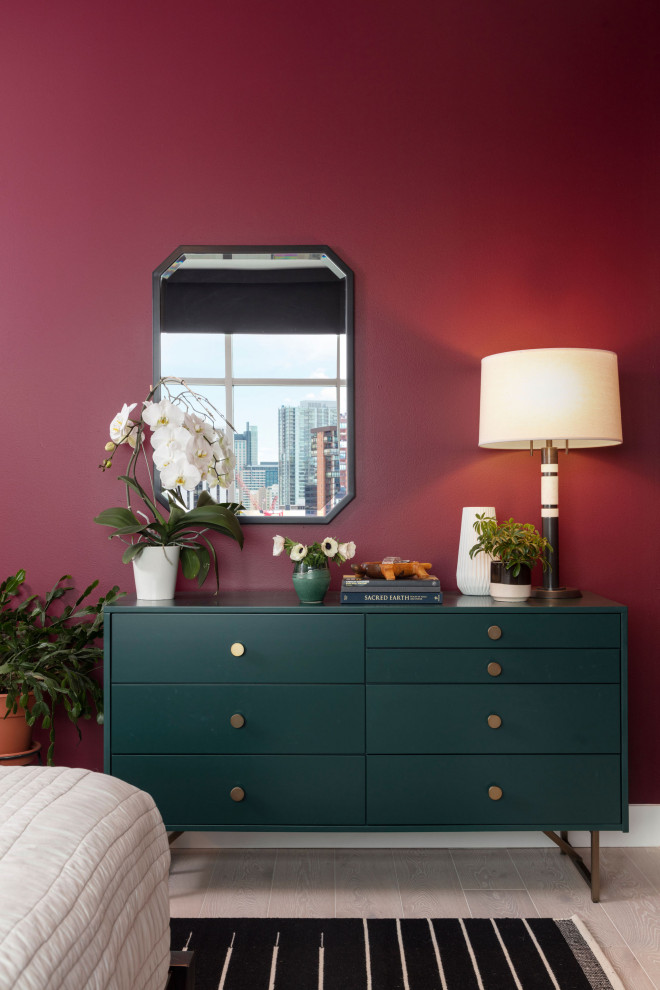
x=348, y=312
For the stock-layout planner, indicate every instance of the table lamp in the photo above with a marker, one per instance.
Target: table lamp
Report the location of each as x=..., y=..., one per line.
x=552, y=398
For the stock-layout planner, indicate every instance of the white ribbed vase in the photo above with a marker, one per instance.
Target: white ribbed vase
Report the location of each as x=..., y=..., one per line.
x=472, y=575
x=155, y=573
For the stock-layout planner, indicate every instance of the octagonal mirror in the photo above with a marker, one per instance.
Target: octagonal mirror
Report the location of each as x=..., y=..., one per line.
x=266, y=335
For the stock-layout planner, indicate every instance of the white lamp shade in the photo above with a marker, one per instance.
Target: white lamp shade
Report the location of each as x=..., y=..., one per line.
x=559, y=394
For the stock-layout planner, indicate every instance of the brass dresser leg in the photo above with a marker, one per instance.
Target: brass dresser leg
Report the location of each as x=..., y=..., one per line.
x=591, y=877
x=595, y=867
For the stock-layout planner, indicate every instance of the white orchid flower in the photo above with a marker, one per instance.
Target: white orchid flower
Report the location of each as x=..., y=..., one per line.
x=163, y=413
x=329, y=546
x=278, y=545
x=198, y=425
x=299, y=552
x=121, y=426
x=347, y=550
x=194, y=423
x=175, y=437
x=165, y=455
x=180, y=473
x=199, y=451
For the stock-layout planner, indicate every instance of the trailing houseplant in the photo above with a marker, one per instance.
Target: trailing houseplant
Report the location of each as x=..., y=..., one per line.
x=51, y=658
x=514, y=549
x=188, y=447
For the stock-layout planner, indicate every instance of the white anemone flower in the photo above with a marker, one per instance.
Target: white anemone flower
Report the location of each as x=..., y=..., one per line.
x=347, y=550
x=175, y=437
x=278, y=545
x=163, y=413
x=299, y=552
x=329, y=546
x=121, y=426
x=180, y=473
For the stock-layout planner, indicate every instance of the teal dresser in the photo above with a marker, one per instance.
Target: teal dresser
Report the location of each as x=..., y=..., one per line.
x=252, y=712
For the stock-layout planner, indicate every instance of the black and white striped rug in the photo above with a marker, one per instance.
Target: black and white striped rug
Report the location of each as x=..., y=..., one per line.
x=391, y=954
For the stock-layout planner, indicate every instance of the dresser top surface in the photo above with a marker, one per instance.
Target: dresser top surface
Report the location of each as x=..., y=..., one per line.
x=279, y=600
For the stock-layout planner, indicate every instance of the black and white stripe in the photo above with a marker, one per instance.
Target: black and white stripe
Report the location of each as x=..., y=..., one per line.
x=393, y=954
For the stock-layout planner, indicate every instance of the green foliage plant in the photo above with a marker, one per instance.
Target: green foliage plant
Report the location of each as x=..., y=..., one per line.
x=54, y=657
x=514, y=544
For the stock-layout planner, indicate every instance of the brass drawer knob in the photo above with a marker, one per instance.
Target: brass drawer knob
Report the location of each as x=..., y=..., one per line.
x=237, y=649
x=494, y=721
x=237, y=794
x=237, y=721
x=494, y=668
x=494, y=632
x=494, y=792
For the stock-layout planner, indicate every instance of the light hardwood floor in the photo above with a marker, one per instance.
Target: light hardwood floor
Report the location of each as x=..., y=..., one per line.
x=389, y=883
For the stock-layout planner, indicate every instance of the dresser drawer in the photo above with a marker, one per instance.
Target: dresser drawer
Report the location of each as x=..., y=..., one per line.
x=489, y=667
x=540, y=792
x=453, y=718
x=196, y=647
x=539, y=630
x=291, y=791
x=279, y=718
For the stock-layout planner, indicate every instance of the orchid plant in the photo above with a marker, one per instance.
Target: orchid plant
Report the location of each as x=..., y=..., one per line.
x=314, y=554
x=187, y=448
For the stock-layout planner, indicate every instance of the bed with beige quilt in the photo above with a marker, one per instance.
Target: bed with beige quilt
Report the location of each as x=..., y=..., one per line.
x=84, y=860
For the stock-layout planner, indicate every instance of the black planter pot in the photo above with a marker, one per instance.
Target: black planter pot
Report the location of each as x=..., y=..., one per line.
x=504, y=587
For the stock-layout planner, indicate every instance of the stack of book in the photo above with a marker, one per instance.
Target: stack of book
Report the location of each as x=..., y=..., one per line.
x=402, y=591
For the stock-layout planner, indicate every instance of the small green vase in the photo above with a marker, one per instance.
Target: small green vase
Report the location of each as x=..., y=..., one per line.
x=311, y=582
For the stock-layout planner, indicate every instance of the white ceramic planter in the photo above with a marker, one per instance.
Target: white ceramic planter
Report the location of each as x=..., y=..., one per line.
x=472, y=574
x=155, y=571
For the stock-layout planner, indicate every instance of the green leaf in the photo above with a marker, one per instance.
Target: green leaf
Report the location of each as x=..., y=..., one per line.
x=120, y=518
x=204, y=565
x=130, y=553
x=143, y=495
x=190, y=563
x=205, y=498
x=215, y=517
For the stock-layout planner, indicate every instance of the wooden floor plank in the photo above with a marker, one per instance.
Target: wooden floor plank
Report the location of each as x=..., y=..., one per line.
x=486, y=869
x=366, y=884
x=558, y=891
x=190, y=875
x=240, y=885
x=500, y=904
x=632, y=904
x=429, y=884
x=303, y=884
x=647, y=860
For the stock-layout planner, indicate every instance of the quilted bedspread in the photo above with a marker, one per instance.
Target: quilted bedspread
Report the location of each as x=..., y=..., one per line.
x=84, y=860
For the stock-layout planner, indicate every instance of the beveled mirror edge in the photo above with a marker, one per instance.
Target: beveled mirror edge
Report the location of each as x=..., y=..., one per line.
x=350, y=363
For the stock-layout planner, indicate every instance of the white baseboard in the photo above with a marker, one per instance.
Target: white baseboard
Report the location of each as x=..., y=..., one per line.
x=644, y=831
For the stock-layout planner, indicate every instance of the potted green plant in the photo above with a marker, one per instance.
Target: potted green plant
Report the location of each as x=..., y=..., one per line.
x=48, y=660
x=514, y=549
x=188, y=447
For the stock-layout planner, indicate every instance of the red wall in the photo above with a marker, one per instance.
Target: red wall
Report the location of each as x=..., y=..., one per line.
x=489, y=171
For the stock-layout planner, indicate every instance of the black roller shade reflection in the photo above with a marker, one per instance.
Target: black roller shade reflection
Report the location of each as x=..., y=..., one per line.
x=276, y=300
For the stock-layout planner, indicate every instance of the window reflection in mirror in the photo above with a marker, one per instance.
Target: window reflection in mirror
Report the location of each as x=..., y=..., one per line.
x=266, y=335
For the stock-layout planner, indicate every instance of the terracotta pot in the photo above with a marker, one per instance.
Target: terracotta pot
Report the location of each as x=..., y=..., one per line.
x=15, y=733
